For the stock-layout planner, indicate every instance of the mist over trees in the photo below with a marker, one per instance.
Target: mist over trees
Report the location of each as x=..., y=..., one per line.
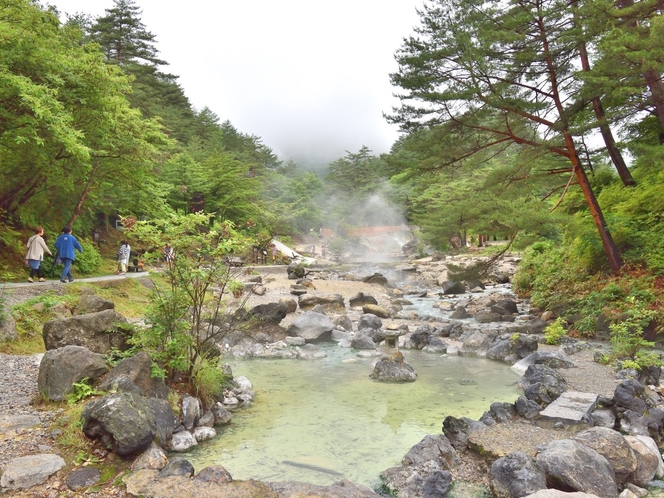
x=525, y=120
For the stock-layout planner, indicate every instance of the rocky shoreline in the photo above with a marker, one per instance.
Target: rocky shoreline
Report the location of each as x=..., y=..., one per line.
x=464, y=451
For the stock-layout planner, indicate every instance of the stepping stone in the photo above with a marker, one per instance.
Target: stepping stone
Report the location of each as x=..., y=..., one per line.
x=571, y=407
x=28, y=471
x=14, y=422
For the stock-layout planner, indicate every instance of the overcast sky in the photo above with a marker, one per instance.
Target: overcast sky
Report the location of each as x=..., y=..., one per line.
x=310, y=77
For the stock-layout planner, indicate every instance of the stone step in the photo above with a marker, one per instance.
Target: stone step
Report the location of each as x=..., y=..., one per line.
x=571, y=407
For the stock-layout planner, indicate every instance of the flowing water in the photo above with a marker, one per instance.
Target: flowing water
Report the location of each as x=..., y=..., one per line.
x=323, y=420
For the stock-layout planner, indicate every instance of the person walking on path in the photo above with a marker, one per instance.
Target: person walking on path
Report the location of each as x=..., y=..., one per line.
x=123, y=257
x=36, y=248
x=65, y=244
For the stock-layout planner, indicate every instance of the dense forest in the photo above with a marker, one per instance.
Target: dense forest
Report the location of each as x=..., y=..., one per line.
x=538, y=122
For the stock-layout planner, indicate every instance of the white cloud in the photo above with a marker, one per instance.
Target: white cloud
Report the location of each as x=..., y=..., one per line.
x=311, y=78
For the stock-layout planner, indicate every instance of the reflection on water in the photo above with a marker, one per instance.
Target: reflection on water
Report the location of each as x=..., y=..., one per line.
x=318, y=421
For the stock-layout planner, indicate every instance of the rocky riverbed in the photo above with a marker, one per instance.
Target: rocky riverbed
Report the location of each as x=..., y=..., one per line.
x=18, y=383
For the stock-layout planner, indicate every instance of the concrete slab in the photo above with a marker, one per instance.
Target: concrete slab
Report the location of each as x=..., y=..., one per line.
x=571, y=407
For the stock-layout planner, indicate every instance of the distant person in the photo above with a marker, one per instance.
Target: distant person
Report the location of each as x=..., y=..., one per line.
x=123, y=257
x=65, y=244
x=36, y=248
x=274, y=253
x=168, y=253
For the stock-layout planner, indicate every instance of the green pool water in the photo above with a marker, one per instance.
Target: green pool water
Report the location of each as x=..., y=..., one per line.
x=323, y=420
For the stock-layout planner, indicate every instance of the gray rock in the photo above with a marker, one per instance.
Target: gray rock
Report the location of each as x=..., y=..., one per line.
x=393, y=370
x=214, y=473
x=648, y=459
x=362, y=341
x=153, y=458
x=516, y=475
x=573, y=466
x=289, y=303
x=550, y=359
x=457, y=430
x=512, y=347
x=312, y=326
x=181, y=441
x=207, y=420
x=527, y=408
x=311, y=352
x=28, y=471
x=571, y=407
x=177, y=467
x=221, y=415
x=90, y=303
x=204, y=433
x=124, y=422
x=60, y=368
x=294, y=341
x=369, y=321
x=96, y=331
x=8, y=328
x=422, y=481
x=360, y=299
x=556, y=493
x=542, y=384
x=330, y=302
x=452, y=287
x=82, y=478
x=13, y=422
x=612, y=446
x=432, y=447
x=487, y=317
x=344, y=322
x=191, y=412
x=271, y=312
x=165, y=419
x=460, y=313
x=138, y=369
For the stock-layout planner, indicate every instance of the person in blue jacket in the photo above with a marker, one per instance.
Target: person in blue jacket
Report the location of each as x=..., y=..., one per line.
x=65, y=244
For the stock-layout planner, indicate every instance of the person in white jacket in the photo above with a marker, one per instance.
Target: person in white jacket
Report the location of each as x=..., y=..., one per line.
x=36, y=248
x=123, y=257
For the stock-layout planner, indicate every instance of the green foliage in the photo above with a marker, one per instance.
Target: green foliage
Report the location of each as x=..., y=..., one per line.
x=627, y=340
x=554, y=332
x=209, y=380
x=181, y=335
x=89, y=261
x=81, y=390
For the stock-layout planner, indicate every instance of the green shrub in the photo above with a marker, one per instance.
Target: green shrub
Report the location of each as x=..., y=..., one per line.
x=554, y=332
x=627, y=341
x=89, y=261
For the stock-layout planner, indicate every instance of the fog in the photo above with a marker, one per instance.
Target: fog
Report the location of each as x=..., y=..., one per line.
x=310, y=78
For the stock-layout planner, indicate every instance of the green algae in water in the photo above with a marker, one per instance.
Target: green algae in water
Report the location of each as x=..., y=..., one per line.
x=323, y=420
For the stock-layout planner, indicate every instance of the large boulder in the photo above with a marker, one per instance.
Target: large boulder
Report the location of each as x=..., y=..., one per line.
x=61, y=368
x=374, y=309
x=432, y=447
x=572, y=466
x=91, y=303
x=137, y=370
x=96, y=331
x=510, y=348
x=270, y=312
x=648, y=459
x=393, y=369
x=422, y=481
x=453, y=287
x=125, y=422
x=369, y=321
x=542, y=384
x=516, y=475
x=330, y=302
x=613, y=446
x=312, y=326
x=458, y=430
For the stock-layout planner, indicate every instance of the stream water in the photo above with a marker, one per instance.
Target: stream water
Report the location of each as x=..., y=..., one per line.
x=323, y=420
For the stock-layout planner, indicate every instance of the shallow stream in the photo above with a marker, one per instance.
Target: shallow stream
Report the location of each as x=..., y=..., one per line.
x=323, y=420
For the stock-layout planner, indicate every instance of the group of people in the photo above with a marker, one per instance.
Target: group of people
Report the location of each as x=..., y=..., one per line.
x=66, y=246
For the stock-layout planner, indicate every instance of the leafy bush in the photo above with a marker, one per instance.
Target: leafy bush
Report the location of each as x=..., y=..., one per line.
x=554, y=332
x=89, y=261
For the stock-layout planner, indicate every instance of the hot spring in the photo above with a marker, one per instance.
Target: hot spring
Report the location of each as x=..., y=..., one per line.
x=324, y=420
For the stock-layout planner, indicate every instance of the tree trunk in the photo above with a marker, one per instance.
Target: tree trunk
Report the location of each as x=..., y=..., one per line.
x=82, y=197
x=605, y=130
x=654, y=80
x=615, y=261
